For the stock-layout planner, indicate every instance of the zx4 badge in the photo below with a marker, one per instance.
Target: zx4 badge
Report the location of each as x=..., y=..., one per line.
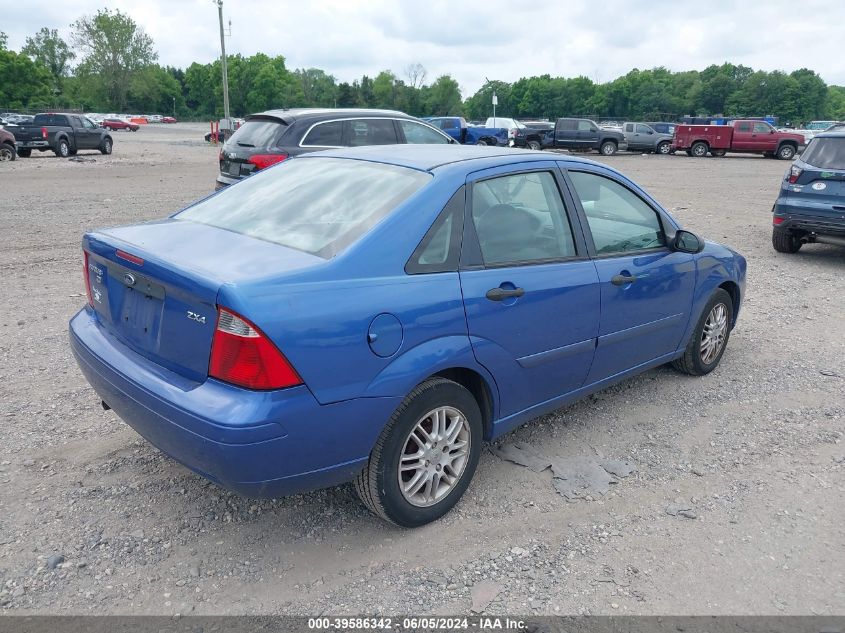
x=193, y=316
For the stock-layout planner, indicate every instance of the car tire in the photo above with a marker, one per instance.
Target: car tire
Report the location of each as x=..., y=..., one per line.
x=63, y=149
x=785, y=241
x=786, y=152
x=718, y=153
x=24, y=153
x=709, y=338
x=699, y=149
x=482, y=143
x=608, y=148
x=664, y=148
x=106, y=146
x=7, y=152
x=534, y=145
x=393, y=494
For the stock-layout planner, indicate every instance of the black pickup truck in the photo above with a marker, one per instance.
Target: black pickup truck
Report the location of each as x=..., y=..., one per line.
x=63, y=134
x=584, y=134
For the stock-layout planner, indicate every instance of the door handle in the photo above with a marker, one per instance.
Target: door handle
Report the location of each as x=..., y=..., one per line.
x=500, y=294
x=621, y=280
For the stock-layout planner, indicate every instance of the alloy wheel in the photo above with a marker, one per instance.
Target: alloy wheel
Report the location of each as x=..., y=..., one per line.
x=434, y=456
x=714, y=333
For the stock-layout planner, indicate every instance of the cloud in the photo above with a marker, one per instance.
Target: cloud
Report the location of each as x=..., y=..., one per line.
x=477, y=39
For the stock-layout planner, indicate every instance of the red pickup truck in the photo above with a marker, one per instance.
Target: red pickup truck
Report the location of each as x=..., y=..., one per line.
x=742, y=135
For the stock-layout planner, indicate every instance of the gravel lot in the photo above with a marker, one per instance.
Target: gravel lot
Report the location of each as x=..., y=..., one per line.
x=735, y=506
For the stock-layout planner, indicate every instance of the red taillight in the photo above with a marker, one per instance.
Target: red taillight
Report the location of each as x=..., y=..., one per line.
x=242, y=354
x=265, y=160
x=87, y=280
x=129, y=257
x=778, y=220
x=795, y=174
x=43, y=132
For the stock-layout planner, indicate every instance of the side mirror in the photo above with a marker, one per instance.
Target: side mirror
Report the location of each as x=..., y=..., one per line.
x=687, y=242
x=650, y=132
x=771, y=131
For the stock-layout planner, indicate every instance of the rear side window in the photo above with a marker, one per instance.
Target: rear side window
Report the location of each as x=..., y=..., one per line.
x=316, y=205
x=257, y=133
x=327, y=134
x=567, y=124
x=825, y=153
x=743, y=127
x=371, y=132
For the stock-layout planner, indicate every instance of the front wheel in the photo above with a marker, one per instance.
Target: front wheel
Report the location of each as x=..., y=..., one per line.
x=664, y=148
x=482, y=143
x=7, y=152
x=106, y=146
x=710, y=337
x=786, y=152
x=608, y=148
x=699, y=149
x=426, y=456
x=24, y=153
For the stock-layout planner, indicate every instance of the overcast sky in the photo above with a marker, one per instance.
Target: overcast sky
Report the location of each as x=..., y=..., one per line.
x=474, y=39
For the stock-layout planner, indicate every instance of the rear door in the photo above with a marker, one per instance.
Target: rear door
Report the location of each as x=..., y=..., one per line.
x=359, y=132
x=646, y=289
x=588, y=134
x=530, y=291
x=566, y=133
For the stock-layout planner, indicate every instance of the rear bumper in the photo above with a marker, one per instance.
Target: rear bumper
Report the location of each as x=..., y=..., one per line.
x=32, y=144
x=258, y=444
x=800, y=215
x=225, y=181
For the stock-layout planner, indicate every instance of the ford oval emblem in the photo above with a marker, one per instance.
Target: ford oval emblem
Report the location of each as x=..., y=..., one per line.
x=129, y=279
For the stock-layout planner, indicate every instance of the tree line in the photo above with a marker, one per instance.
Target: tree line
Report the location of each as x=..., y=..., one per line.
x=118, y=71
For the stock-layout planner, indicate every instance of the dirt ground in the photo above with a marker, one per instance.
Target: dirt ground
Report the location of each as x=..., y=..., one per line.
x=735, y=506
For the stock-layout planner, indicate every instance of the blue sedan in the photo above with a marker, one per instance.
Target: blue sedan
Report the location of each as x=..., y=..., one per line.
x=375, y=314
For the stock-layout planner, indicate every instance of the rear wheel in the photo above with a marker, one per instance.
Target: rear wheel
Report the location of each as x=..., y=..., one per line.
x=718, y=153
x=699, y=149
x=664, y=148
x=24, y=153
x=608, y=148
x=63, y=149
x=710, y=337
x=786, y=152
x=426, y=456
x=785, y=241
x=482, y=143
x=7, y=152
x=535, y=145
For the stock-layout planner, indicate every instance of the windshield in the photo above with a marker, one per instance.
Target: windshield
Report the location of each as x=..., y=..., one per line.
x=819, y=125
x=316, y=205
x=825, y=153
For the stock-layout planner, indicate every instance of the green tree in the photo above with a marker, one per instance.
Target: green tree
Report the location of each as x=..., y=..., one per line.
x=115, y=48
x=52, y=52
x=318, y=88
x=444, y=97
x=384, y=90
x=23, y=83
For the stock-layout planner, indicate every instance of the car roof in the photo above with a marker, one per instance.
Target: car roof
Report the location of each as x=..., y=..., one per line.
x=294, y=114
x=431, y=157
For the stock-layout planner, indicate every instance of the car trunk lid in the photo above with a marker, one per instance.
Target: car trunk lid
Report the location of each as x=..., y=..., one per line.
x=154, y=286
x=253, y=146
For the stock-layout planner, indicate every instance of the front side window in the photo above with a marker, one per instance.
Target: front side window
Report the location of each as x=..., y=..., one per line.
x=643, y=129
x=87, y=123
x=316, y=205
x=619, y=220
x=520, y=218
x=371, y=132
x=421, y=134
x=327, y=134
x=762, y=128
x=585, y=126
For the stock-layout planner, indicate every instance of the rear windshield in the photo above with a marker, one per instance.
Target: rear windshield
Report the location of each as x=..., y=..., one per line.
x=825, y=153
x=316, y=205
x=50, y=119
x=257, y=133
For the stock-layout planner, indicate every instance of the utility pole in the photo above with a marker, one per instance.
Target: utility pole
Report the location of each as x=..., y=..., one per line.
x=223, y=66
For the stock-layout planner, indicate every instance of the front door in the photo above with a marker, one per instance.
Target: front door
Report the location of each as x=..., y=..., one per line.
x=646, y=288
x=88, y=136
x=588, y=134
x=531, y=293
